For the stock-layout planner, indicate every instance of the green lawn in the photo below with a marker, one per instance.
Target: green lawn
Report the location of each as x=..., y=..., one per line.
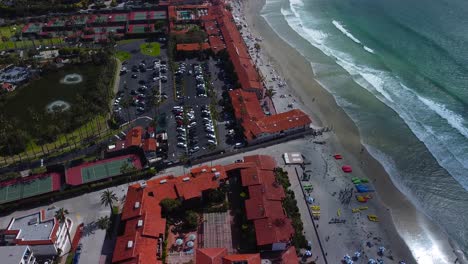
x=123, y=55
x=9, y=31
x=126, y=41
x=29, y=43
x=150, y=49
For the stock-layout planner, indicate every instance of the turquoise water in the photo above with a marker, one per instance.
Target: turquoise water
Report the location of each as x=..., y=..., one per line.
x=400, y=70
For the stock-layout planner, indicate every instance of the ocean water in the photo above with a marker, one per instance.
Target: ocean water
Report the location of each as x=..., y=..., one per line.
x=400, y=70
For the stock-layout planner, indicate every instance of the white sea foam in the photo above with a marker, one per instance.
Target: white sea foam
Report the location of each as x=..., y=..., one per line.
x=453, y=119
x=369, y=50
x=341, y=28
x=445, y=146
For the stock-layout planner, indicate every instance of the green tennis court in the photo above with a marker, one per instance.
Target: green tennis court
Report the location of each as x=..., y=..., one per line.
x=138, y=29
x=104, y=170
x=159, y=15
x=36, y=27
x=120, y=18
x=26, y=189
x=140, y=16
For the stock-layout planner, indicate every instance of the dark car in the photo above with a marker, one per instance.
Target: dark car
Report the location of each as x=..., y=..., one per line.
x=134, y=76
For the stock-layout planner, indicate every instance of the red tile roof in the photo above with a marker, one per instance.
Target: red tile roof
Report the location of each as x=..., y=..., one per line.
x=210, y=255
x=283, y=121
x=289, y=256
x=242, y=258
x=263, y=162
x=144, y=204
x=193, y=46
x=246, y=105
x=273, y=230
x=150, y=144
x=134, y=136
x=257, y=207
x=216, y=43
x=264, y=205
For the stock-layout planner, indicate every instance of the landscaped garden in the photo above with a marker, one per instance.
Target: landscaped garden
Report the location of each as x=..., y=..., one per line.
x=150, y=49
x=61, y=105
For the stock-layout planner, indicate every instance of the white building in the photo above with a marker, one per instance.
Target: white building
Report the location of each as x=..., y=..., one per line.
x=40, y=231
x=17, y=255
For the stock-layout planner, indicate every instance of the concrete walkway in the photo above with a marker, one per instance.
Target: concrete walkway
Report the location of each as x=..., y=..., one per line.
x=309, y=230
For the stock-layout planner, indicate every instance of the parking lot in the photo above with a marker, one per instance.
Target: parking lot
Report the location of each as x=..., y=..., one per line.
x=184, y=104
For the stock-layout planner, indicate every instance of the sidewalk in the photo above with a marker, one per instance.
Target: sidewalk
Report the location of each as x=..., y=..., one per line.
x=306, y=218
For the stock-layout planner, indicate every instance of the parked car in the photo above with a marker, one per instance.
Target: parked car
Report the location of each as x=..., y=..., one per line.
x=181, y=145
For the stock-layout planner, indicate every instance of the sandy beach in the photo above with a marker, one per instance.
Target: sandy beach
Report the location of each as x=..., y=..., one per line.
x=293, y=82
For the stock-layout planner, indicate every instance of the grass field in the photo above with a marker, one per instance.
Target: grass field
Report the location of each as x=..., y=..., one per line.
x=9, y=31
x=123, y=55
x=150, y=49
x=29, y=43
x=126, y=41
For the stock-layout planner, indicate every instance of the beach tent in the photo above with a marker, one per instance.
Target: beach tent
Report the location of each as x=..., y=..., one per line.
x=362, y=188
x=337, y=156
x=347, y=168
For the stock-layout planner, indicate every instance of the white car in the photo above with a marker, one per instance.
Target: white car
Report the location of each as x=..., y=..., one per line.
x=211, y=142
x=212, y=136
x=181, y=145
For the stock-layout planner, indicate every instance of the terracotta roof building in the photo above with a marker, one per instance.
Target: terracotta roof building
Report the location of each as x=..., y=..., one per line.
x=144, y=225
x=264, y=206
x=259, y=127
x=220, y=256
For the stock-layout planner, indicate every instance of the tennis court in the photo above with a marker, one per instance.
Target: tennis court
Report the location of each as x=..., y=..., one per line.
x=140, y=16
x=104, y=170
x=120, y=18
x=158, y=15
x=22, y=190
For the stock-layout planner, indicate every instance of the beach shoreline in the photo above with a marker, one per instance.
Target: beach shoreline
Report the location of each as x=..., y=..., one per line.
x=311, y=97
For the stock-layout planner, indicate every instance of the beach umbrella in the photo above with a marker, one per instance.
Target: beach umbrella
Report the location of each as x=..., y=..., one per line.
x=381, y=250
x=357, y=254
x=192, y=237
x=308, y=253
x=371, y=261
x=347, y=168
x=190, y=244
x=179, y=241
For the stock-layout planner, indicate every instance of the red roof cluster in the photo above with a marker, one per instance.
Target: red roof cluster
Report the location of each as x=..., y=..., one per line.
x=248, y=111
x=247, y=74
x=246, y=105
x=220, y=256
x=192, y=46
x=144, y=226
x=264, y=205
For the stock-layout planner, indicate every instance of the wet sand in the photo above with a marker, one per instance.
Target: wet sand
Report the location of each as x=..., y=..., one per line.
x=345, y=139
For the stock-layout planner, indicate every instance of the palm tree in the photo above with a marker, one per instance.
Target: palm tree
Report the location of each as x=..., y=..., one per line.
x=104, y=223
x=270, y=92
x=61, y=216
x=107, y=198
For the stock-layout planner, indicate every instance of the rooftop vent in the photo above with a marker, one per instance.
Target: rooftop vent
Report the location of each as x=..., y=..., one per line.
x=203, y=170
x=32, y=221
x=186, y=179
x=162, y=181
x=217, y=174
x=130, y=244
x=213, y=169
x=137, y=205
x=140, y=223
x=143, y=184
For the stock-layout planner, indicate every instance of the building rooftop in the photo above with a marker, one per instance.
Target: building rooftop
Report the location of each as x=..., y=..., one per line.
x=34, y=227
x=12, y=254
